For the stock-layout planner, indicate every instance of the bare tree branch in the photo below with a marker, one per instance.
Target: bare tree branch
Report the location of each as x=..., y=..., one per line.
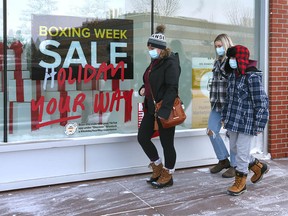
x=161, y=7
x=239, y=15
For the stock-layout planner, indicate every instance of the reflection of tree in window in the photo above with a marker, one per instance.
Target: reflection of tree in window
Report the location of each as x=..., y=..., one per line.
x=239, y=15
x=42, y=6
x=161, y=7
x=36, y=7
x=93, y=8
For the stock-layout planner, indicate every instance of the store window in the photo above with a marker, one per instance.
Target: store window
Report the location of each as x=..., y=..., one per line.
x=74, y=70
x=191, y=31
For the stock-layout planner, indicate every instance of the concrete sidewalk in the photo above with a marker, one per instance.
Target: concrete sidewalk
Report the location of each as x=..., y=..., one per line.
x=195, y=192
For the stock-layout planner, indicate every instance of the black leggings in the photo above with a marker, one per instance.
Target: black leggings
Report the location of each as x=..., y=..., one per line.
x=145, y=133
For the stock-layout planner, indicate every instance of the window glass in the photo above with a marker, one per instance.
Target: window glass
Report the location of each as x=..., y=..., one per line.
x=1, y=77
x=74, y=69
x=190, y=31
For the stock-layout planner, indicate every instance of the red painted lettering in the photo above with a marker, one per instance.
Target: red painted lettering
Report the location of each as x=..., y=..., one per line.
x=99, y=102
x=51, y=107
x=114, y=70
x=88, y=68
x=104, y=68
x=90, y=73
x=61, y=76
x=70, y=79
x=64, y=103
x=38, y=105
x=78, y=101
x=79, y=73
x=116, y=97
x=128, y=105
x=63, y=107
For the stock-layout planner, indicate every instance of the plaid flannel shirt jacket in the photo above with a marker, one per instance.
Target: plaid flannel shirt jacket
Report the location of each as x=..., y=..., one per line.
x=246, y=109
x=218, y=86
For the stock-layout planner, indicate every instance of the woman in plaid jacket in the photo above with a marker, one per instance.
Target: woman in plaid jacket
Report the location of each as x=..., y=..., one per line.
x=217, y=100
x=245, y=115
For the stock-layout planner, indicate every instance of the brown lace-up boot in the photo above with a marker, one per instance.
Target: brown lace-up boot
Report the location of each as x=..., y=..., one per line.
x=259, y=170
x=157, y=169
x=165, y=179
x=222, y=164
x=239, y=185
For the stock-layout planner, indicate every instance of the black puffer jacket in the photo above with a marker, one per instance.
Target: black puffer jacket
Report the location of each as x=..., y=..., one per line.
x=164, y=81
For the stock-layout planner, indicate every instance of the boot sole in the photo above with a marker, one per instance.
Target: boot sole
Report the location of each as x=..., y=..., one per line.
x=218, y=170
x=149, y=181
x=225, y=176
x=213, y=172
x=161, y=186
x=236, y=194
x=157, y=186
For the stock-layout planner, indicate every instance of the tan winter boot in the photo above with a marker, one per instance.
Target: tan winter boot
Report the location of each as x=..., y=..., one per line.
x=259, y=170
x=239, y=185
x=222, y=164
x=157, y=169
x=165, y=179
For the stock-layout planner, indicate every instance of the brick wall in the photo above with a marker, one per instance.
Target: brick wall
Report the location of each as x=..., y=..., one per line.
x=278, y=79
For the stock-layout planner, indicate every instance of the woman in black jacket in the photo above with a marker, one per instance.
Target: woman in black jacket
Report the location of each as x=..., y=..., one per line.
x=161, y=80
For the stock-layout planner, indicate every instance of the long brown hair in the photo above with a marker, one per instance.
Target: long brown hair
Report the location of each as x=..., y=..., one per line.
x=165, y=53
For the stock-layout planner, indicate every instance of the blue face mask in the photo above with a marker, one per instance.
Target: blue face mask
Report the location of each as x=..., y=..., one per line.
x=220, y=51
x=153, y=53
x=233, y=63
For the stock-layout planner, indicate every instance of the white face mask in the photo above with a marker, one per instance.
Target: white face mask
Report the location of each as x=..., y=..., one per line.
x=233, y=63
x=220, y=51
x=153, y=54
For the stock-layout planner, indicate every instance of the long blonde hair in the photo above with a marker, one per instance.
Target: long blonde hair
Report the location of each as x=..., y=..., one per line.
x=226, y=42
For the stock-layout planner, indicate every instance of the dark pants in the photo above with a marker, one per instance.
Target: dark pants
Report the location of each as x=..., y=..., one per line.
x=145, y=133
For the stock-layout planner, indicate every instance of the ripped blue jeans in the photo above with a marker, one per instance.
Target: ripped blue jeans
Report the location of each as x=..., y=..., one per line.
x=214, y=126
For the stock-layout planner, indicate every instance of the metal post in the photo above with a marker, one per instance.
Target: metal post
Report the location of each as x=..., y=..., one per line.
x=5, y=131
x=152, y=17
x=265, y=44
